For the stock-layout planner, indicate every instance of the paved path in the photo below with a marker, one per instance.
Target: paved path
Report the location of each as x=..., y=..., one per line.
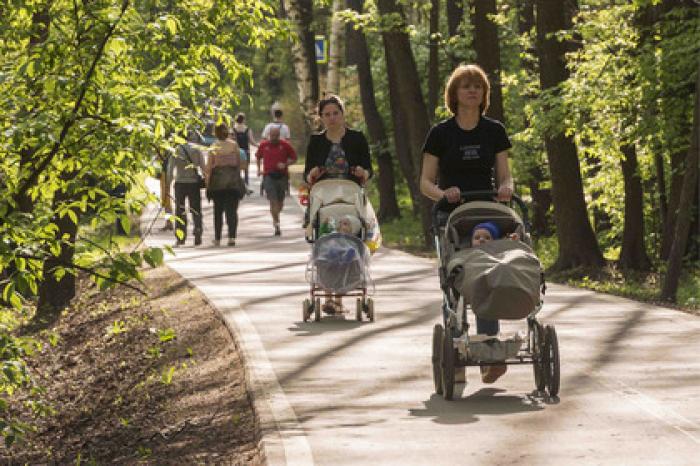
x=348, y=393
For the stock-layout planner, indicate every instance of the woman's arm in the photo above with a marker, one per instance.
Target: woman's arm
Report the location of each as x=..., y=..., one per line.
x=428, y=176
x=310, y=164
x=363, y=170
x=505, y=180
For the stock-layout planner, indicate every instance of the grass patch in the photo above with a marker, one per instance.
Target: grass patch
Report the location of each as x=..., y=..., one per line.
x=644, y=287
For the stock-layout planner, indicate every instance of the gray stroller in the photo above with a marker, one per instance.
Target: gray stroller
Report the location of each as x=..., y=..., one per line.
x=499, y=280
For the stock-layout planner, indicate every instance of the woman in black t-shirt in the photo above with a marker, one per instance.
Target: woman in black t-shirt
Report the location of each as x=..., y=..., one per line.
x=338, y=150
x=462, y=153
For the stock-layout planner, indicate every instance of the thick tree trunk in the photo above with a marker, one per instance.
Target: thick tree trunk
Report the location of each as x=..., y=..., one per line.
x=674, y=198
x=673, y=126
x=488, y=52
x=56, y=293
x=685, y=212
x=300, y=13
x=404, y=83
x=433, y=59
x=401, y=144
x=357, y=43
x=577, y=243
x=633, y=254
x=335, y=48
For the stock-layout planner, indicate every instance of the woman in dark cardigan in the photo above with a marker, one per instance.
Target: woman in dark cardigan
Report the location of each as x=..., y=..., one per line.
x=337, y=150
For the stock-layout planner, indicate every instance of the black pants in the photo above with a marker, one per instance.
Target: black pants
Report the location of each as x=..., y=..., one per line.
x=225, y=202
x=191, y=193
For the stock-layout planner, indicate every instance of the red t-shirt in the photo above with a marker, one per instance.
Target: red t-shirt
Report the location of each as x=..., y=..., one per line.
x=272, y=154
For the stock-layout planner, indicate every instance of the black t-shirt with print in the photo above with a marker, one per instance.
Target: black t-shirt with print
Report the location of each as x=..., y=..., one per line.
x=467, y=157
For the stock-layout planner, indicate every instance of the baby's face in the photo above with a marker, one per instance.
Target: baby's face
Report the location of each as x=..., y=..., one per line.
x=480, y=236
x=345, y=226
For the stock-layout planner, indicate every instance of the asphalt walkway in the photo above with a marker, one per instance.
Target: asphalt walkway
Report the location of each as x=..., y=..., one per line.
x=340, y=392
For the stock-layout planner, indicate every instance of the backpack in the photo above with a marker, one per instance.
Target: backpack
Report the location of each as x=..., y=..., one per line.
x=242, y=139
x=225, y=178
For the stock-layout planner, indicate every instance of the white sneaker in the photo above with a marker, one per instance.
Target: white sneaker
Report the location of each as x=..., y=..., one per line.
x=216, y=242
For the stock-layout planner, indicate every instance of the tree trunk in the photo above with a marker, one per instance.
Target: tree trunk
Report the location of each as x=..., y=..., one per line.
x=488, y=52
x=335, y=50
x=357, y=43
x=674, y=198
x=433, y=59
x=673, y=126
x=685, y=212
x=56, y=293
x=300, y=13
x=577, y=243
x=455, y=14
x=404, y=83
x=633, y=254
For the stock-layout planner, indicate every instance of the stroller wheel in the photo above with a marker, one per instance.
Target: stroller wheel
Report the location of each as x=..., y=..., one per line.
x=538, y=355
x=358, y=309
x=437, y=346
x=306, y=309
x=370, y=309
x=551, y=345
x=317, y=309
x=447, y=364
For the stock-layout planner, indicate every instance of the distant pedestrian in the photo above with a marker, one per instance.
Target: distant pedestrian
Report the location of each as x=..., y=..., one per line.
x=185, y=167
x=244, y=138
x=224, y=184
x=276, y=155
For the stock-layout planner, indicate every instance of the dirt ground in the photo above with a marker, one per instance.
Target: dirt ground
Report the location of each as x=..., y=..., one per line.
x=140, y=380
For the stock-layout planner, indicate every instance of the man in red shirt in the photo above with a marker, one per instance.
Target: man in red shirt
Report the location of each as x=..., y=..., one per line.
x=276, y=155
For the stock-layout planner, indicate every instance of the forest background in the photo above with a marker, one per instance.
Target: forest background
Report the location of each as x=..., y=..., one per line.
x=600, y=98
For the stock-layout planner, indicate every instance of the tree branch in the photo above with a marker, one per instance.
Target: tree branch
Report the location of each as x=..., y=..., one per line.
x=32, y=178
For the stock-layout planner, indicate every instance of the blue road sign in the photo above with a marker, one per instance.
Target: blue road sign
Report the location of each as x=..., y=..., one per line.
x=321, y=49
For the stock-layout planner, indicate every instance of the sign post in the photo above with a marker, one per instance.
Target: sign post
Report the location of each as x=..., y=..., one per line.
x=321, y=49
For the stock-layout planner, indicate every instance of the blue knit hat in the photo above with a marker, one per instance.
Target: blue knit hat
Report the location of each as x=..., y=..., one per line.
x=491, y=227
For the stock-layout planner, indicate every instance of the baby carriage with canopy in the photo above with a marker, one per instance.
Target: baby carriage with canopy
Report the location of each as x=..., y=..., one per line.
x=499, y=280
x=337, y=224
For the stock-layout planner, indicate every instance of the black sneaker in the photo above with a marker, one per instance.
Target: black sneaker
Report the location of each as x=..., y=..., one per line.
x=178, y=243
x=278, y=232
x=197, y=240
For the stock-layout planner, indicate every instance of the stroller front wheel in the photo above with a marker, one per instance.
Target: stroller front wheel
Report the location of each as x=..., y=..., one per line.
x=447, y=364
x=437, y=348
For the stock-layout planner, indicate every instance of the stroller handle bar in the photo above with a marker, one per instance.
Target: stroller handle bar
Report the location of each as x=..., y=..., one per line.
x=468, y=196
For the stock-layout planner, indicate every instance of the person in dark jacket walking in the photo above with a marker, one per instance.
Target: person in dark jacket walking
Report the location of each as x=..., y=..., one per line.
x=185, y=166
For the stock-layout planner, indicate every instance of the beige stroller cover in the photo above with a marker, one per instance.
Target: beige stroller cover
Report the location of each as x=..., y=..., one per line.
x=338, y=198
x=500, y=279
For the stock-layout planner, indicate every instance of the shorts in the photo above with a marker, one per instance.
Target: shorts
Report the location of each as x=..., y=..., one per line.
x=275, y=188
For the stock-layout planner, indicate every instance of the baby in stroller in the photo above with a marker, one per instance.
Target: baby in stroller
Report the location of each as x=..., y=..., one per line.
x=339, y=220
x=498, y=277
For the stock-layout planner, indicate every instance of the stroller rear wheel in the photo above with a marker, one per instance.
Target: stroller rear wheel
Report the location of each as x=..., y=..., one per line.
x=306, y=309
x=537, y=347
x=369, y=309
x=317, y=309
x=437, y=348
x=358, y=309
x=447, y=364
x=552, y=369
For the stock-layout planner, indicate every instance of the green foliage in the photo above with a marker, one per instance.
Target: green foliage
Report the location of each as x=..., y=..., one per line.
x=92, y=96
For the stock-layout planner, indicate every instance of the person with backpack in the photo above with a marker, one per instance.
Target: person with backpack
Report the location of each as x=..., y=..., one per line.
x=185, y=166
x=244, y=138
x=224, y=184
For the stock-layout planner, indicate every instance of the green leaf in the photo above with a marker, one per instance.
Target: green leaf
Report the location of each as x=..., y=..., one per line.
x=125, y=223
